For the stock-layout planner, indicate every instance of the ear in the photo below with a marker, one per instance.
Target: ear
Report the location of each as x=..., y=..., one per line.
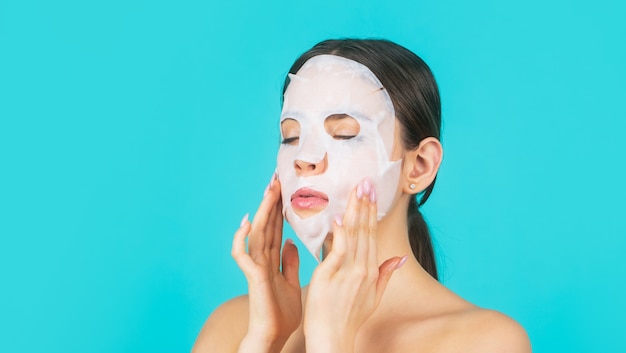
x=421, y=165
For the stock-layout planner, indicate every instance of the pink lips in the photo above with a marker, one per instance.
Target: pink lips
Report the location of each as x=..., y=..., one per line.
x=309, y=199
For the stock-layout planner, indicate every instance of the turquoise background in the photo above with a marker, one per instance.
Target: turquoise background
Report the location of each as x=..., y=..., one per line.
x=134, y=135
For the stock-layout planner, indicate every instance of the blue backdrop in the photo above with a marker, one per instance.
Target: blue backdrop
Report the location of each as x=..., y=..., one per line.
x=134, y=135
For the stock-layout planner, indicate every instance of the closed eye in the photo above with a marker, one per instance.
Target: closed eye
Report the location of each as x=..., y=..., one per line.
x=290, y=140
x=342, y=126
x=343, y=137
x=290, y=130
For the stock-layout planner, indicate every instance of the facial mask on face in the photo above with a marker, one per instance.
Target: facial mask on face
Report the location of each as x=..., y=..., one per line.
x=326, y=102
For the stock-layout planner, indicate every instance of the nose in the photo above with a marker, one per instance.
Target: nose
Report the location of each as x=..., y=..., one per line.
x=304, y=169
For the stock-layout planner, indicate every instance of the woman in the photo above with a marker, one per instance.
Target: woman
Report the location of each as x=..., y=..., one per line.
x=360, y=153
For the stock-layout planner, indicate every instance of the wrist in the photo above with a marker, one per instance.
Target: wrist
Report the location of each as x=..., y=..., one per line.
x=329, y=341
x=256, y=343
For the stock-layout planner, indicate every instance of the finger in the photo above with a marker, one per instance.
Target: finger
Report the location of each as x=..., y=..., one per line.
x=362, y=227
x=350, y=223
x=238, y=250
x=338, y=251
x=276, y=234
x=277, y=221
x=372, y=232
x=256, y=242
x=291, y=263
x=384, y=275
x=270, y=192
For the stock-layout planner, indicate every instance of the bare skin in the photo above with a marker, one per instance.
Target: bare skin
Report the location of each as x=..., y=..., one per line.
x=362, y=297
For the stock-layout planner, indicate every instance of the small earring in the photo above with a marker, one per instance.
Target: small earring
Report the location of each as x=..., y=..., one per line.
x=412, y=186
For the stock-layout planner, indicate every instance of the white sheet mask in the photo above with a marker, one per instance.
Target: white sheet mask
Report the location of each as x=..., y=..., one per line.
x=331, y=85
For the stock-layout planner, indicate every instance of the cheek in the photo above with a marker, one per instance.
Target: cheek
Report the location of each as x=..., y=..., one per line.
x=284, y=168
x=397, y=149
x=348, y=165
x=286, y=186
x=286, y=157
x=362, y=149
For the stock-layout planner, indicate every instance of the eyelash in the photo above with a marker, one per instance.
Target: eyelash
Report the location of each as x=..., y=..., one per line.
x=344, y=137
x=290, y=140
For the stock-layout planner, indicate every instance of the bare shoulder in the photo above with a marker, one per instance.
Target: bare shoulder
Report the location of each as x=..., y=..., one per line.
x=470, y=330
x=492, y=331
x=225, y=328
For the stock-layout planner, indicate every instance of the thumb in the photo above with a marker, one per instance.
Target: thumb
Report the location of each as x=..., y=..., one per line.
x=384, y=274
x=291, y=263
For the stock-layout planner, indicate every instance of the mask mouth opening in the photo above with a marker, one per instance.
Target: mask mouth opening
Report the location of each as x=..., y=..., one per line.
x=307, y=202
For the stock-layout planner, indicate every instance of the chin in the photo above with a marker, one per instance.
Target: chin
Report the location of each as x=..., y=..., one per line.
x=307, y=213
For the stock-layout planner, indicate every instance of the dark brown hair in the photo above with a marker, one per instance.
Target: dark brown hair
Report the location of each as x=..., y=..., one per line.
x=415, y=97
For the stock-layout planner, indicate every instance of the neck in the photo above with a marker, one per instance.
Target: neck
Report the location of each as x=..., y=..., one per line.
x=411, y=280
x=392, y=234
x=409, y=285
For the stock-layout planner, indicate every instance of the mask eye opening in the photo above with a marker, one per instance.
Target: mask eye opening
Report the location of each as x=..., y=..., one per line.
x=290, y=131
x=342, y=126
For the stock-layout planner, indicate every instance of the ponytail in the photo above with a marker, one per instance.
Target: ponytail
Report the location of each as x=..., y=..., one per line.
x=419, y=236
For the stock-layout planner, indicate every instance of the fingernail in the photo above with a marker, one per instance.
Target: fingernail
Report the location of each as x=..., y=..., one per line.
x=244, y=220
x=339, y=221
x=359, y=191
x=367, y=186
x=289, y=241
x=402, y=261
x=373, y=195
x=272, y=180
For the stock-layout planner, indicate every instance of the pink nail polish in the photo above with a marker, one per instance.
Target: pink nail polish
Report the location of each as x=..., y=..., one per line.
x=402, y=261
x=367, y=186
x=244, y=220
x=272, y=180
x=373, y=195
x=339, y=221
x=359, y=191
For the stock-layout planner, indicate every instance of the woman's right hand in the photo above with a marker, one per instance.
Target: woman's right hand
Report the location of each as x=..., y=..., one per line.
x=275, y=304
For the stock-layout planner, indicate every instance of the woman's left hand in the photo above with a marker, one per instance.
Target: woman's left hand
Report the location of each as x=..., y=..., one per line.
x=347, y=286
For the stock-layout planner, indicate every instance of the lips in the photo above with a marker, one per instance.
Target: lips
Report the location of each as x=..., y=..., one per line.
x=309, y=199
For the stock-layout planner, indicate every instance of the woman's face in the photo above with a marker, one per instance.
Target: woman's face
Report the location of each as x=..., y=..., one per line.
x=337, y=126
